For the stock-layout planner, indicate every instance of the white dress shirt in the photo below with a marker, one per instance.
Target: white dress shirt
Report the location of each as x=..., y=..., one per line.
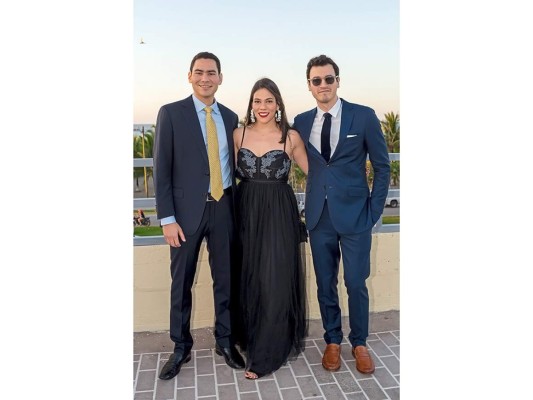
x=316, y=130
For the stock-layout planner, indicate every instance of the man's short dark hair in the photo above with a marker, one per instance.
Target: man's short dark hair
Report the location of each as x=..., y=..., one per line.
x=320, y=61
x=205, y=54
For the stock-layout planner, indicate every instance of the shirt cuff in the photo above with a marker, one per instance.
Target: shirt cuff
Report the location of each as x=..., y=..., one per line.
x=168, y=220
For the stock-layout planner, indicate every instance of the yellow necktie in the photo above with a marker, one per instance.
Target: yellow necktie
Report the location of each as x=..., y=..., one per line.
x=212, y=153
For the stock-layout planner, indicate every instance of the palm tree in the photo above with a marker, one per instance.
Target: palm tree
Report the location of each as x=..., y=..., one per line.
x=297, y=178
x=391, y=131
x=148, y=153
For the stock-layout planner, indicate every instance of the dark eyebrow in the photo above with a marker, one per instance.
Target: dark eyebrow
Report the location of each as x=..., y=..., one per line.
x=201, y=70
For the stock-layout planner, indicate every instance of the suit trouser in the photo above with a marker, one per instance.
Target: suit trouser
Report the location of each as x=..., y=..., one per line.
x=218, y=228
x=355, y=249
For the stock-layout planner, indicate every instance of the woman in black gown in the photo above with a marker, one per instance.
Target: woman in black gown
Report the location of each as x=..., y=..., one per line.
x=271, y=287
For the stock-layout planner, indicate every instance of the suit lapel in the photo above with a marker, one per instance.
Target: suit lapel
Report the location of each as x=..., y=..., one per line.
x=348, y=113
x=191, y=117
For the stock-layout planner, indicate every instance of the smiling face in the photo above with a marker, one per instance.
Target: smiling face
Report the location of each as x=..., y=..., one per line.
x=205, y=79
x=264, y=106
x=325, y=94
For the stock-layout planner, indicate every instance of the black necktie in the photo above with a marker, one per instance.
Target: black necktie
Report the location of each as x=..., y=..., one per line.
x=324, y=137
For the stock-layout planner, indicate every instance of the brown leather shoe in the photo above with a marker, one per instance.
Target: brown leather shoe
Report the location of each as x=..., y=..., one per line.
x=332, y=357
x=363, y=361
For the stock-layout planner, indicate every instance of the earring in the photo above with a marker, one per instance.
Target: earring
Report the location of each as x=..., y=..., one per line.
x=252, y=116
x=278, y=115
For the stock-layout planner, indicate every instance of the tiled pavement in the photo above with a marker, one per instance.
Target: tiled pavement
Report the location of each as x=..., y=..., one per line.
x=206, y=376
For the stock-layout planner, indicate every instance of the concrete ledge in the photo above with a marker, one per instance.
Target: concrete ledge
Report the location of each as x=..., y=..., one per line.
x=152, y=284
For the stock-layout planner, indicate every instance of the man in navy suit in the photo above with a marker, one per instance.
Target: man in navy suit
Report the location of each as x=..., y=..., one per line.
x=189, y=212
x=340, y=210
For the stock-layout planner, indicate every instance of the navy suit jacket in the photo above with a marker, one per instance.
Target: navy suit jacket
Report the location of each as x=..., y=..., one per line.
x=181, y=166
x=351, y=206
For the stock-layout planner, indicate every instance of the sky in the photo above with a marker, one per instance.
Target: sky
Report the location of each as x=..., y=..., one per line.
x=272, y=39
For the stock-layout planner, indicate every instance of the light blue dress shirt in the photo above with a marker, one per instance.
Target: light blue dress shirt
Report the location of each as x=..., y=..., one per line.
x=223, y=148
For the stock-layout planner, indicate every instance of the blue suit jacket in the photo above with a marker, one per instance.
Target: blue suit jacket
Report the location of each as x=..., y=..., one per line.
x=343, y=180
x=181, y=166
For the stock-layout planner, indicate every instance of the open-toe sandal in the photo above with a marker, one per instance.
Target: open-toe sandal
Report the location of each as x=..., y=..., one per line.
x=252, y=377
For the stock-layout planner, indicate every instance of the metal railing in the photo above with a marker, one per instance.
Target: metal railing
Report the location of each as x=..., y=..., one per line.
x=149, y=202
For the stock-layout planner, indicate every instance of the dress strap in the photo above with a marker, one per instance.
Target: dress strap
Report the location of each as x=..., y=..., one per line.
x=243, y=130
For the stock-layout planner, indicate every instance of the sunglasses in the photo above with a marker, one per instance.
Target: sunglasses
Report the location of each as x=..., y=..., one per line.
x=329, y=80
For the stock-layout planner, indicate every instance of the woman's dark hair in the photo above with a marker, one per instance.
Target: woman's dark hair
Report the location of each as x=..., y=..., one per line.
x=268, y=84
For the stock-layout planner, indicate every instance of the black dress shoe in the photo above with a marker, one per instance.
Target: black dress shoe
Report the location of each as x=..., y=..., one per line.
x=173, y=365
x=231, y=356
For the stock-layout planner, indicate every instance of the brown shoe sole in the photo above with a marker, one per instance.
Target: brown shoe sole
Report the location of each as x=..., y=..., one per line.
x=332, y=369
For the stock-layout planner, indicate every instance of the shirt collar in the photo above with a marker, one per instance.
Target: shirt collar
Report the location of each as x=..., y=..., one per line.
x=199, y=106
x=334, y=111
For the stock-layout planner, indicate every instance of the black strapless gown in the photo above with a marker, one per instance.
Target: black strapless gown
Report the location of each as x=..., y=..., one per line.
x=272, y=298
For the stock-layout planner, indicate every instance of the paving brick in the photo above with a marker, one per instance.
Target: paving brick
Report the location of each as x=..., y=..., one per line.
x=206, y=385
x=378, y=347
x=389, y=339
x=245, y=385
x=385, y=379
x=268, y=390
x=393, y=393
x=250, y=396
x=204, y=353
x=295, y=380
x=308, y=386
x=135, y=368
x=144, y=396
x=284, y=378
x=145, y=380
x=186, y=394
x=164, y=389
x=392, y=364
x=148, y=361
x=186, y=378
x=347, y=382
x=204, y=366
x=357, y=396
x=332, y=392
x=227, y=392
x=224, y=374
x=313, y=355
x=395, y=350
x=321, y=375
x=290, y=394
x=299, y=366
x=372, y=389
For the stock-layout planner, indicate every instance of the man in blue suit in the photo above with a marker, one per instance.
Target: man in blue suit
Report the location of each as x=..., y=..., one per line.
x=193, y=144
x=340, y=210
